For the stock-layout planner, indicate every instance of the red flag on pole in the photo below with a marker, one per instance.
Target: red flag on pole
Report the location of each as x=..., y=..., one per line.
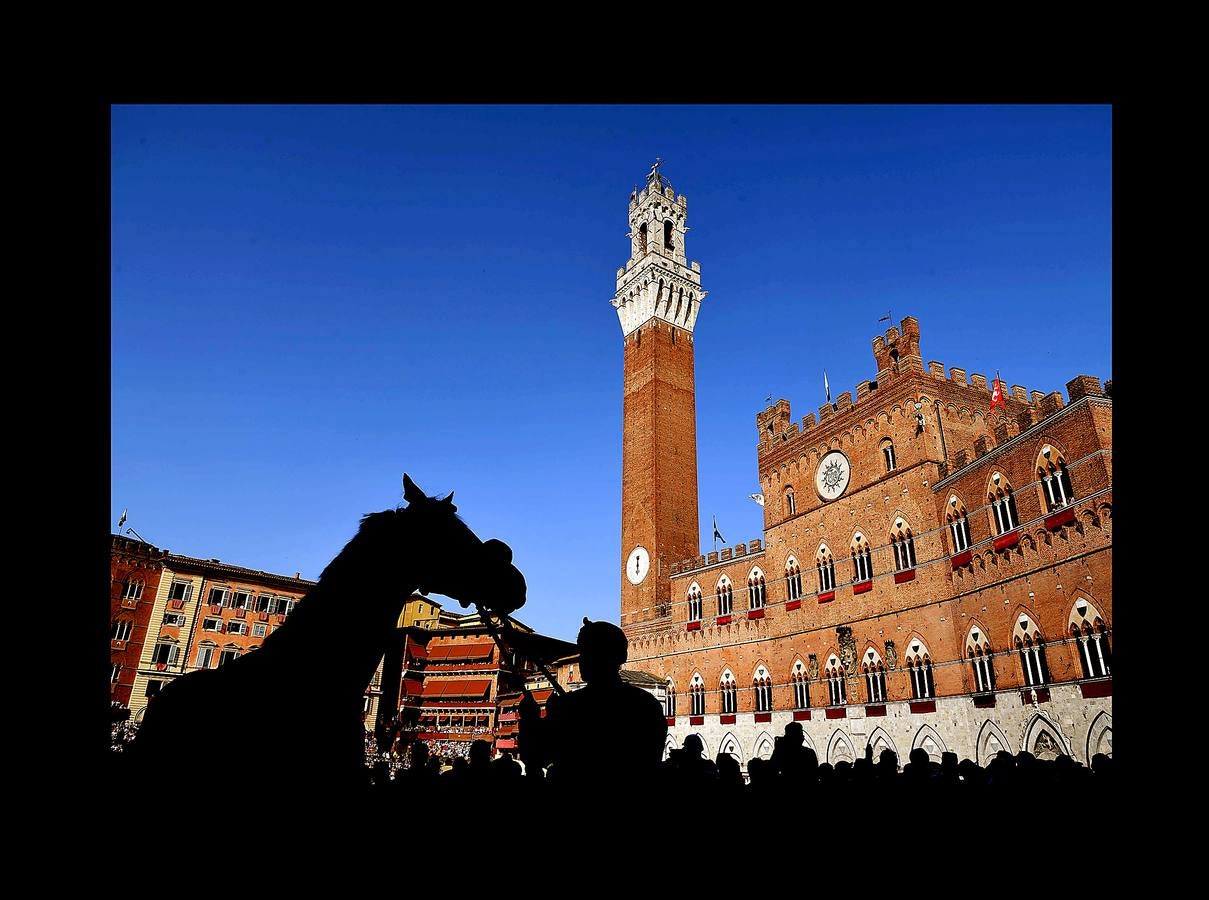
x=997, y=395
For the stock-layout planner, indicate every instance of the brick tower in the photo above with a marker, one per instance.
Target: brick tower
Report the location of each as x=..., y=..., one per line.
x=658, y=298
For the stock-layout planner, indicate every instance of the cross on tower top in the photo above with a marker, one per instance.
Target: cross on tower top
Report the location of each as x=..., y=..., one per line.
x=654, y=173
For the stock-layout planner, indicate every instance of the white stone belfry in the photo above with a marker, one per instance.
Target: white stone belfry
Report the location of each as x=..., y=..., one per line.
x=657, y=282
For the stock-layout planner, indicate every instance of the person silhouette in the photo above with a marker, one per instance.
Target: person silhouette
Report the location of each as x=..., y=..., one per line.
x=793, y=760
x=608, y=735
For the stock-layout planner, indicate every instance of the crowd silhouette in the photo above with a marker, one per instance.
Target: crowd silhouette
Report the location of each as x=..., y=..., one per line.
x=598, y=747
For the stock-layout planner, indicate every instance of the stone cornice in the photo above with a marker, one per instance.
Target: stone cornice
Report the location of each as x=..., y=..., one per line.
x=211, y=568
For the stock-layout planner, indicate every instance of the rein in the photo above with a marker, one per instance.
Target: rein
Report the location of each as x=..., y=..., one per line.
x=495, y=635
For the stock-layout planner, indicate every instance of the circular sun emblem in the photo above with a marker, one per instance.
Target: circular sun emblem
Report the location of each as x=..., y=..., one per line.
x=831, y=478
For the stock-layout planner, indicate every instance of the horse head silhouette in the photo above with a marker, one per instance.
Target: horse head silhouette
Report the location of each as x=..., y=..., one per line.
x=447, y=558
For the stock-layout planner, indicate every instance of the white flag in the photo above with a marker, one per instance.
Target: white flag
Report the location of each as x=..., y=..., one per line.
x=826, y=386
x=759, y=498
x=122, y=520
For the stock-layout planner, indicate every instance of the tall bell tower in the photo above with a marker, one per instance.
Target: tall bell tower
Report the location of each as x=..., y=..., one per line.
x=658, y=298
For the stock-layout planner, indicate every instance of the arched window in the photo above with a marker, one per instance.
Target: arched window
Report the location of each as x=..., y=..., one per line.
x=959, y=525
x=903, y=543
x=978, y=650
x=761, y=686
x=888, y=454
x=669, y=700
x=730, y=694
x=756, y=590
x=1054, y=478
x=862, y=559
x=791, y=506
x=642, y=238
x=696, y=693
x=694, y=602
x=1003, y=504
x=826, y=567
x=1031, y=647
x=726, y=596
x=132, y=589
x=205, y=655
x=836, y=676
x=121, y=630
x=919, y=667
x=801, y=686
x=669, y=241
x=793, y=578
x=875, y=676
x=1089, y=631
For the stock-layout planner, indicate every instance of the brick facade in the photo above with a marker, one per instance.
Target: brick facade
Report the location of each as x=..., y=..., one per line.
x=890, y=576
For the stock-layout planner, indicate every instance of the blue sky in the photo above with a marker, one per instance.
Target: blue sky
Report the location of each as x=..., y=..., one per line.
x=308, y=301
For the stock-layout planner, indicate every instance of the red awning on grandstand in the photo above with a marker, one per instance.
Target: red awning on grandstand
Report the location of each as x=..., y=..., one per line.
x=464, y=687
x=459, y=652
x=505, y=744
x=542, y=696
x=417, y=650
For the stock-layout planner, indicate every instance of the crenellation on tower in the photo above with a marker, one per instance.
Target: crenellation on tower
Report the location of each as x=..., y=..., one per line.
x=1051, y=403
x=980, y=381
x=1083, y=386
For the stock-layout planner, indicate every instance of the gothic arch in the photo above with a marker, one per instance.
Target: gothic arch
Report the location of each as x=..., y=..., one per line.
x=991, y=740
x=879, y=740
x=1099, y=736
x=928, y=738
x=839, y=749
x=1092, y=610
x=763, y=745
x=1035, y=741
x=668, y=746
x=730, y=744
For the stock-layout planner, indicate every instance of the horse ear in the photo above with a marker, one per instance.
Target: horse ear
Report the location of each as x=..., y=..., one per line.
x=449, y=500
x=411, y=493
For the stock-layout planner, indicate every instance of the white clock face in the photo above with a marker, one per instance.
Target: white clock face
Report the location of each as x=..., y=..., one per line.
x=637, y=565
x=831, y=477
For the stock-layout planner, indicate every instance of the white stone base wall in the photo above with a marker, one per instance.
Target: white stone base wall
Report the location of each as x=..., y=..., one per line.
x=1067, y=722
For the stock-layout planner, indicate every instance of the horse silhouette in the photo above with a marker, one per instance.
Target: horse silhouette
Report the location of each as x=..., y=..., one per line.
x=292, y=710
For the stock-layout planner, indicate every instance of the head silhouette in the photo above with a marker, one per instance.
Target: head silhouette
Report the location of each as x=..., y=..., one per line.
x=794, y=735
x=603, y=649
x=694, y=748
x=480, y=754
x=419, y=755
